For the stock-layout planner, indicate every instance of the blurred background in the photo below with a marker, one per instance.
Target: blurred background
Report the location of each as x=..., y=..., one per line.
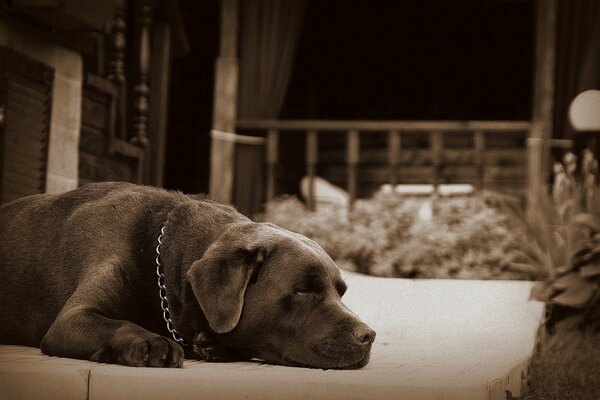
x=243, y=99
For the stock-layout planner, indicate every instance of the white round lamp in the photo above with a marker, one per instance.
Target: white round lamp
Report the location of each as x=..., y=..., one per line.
x=584, y=111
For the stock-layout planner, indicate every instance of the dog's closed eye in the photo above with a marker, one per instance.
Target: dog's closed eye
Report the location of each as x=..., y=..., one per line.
x=302, y=291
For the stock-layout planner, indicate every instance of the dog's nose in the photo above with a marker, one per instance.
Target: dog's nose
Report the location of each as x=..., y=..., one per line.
x=364, y=335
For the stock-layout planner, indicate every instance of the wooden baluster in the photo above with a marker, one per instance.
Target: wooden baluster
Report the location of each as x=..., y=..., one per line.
x=479, y=145
x=118, y=43
x=116, y=69
x=352, y=159
x=394, y=143
x=312, y=157
x=272, y=160
x=437, y=149
x=142, y=91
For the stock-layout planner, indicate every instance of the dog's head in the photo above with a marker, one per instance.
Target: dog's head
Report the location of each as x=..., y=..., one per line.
x=276, y=295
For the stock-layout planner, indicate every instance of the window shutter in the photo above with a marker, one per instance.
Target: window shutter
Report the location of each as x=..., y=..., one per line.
x=25, y=98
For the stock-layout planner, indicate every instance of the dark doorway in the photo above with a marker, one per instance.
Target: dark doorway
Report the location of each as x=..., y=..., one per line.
x=190, y=102
x=414, y=59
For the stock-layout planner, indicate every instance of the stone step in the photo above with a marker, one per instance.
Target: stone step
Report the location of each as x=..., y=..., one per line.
x=436, y=339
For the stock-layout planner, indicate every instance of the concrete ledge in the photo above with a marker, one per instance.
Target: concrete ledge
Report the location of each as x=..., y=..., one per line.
x=436, y=339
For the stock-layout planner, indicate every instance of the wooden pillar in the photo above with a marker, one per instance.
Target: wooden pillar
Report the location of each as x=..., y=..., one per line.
x=159, y=84
x=543, y=98
x=222, y=157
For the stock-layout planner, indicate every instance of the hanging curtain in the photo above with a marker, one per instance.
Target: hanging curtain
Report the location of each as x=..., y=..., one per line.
x=577, y=55
x=269, y=34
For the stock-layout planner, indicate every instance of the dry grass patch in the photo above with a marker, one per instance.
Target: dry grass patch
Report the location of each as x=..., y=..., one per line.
x=566, y=367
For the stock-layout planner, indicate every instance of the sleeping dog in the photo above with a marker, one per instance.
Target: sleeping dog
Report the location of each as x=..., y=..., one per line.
x=128, y=274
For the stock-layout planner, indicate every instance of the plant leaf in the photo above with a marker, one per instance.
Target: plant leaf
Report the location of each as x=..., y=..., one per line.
x=566, y=281
x=523, y=267
x=590, y=270
x=590, y=221
x=587, y=254
x=578, y=295
x=541, y=291
x=563, y=269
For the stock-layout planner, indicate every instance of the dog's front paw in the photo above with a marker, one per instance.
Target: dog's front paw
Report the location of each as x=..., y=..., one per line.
x=155, y=352
x=212, y=351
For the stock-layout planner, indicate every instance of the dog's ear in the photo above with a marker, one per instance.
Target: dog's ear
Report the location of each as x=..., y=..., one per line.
x=219, y=280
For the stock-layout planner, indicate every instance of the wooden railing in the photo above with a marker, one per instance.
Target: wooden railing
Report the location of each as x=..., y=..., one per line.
x=437, y=131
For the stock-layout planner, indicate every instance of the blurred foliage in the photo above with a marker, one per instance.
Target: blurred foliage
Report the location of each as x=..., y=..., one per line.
x=468, y=237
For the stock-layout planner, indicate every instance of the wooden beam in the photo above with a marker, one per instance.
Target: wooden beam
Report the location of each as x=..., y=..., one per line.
x=448, y=127
x=543, y=97
x=222, y=156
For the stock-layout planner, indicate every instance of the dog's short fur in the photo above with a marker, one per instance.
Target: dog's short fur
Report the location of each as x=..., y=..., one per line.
x=78, y=279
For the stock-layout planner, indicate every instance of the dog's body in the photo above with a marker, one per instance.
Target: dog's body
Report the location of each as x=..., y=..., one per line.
x=79, y=279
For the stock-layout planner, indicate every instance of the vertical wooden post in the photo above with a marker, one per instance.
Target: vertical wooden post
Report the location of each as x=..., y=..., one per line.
x=394, y=143
x=118, y=42
x=312, y=157
x=272, y=160
x=116, y=68
x=225, y=105
x=352, y=160
x=479, y=147
x=159, y=85
x=142, y=91
x=543, y=97
x=437, y=149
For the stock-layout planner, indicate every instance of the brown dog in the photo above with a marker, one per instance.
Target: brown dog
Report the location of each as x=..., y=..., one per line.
x=78, y=273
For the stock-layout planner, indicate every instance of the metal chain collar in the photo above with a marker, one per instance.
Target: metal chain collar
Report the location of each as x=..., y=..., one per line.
x=162, y=293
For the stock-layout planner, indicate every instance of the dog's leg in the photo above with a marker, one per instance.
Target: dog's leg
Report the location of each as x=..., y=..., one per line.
x=81, y=332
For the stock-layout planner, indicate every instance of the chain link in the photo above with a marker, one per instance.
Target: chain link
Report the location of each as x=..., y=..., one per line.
x=162, y=293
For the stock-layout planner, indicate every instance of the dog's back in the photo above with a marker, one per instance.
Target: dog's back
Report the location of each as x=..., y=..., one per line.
x=36, y=277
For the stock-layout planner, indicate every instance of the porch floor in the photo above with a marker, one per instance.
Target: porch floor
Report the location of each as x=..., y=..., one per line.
x=436, y=339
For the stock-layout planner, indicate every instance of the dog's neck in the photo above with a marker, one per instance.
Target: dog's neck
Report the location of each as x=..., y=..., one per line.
x=162, y=292
x=189, y=230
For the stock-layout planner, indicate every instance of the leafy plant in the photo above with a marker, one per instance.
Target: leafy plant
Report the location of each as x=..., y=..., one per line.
x=466, y=237
x=567, y=243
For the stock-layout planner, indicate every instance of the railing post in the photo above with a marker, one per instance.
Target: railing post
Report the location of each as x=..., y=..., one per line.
x=352, y=159
x=312, y=156
x=437, y=148
x=272, y=159
x=394, y=144
x=142, y=90
x=479, y=145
